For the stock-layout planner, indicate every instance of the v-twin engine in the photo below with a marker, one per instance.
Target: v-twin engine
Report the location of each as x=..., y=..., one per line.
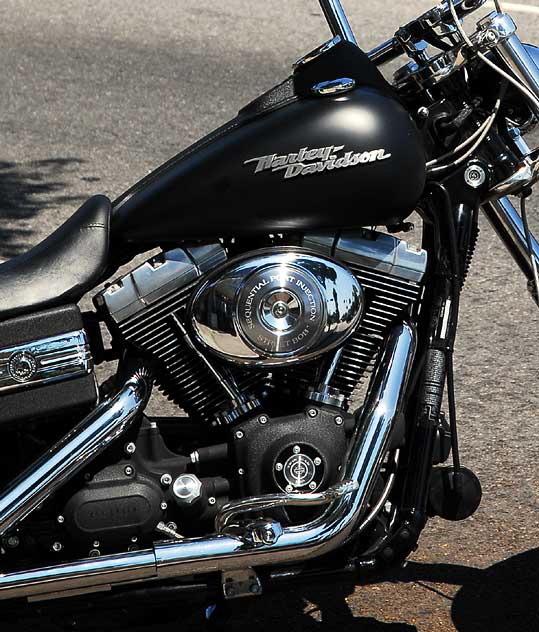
x=257, y=324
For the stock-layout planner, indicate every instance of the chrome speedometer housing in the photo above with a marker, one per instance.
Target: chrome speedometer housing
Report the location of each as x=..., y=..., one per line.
x=276, y=307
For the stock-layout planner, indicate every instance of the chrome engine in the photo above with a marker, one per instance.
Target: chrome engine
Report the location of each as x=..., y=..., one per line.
x=278, y=431
x=204, y=319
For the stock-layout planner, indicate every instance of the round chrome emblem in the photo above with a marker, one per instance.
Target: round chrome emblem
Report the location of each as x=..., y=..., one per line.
x=299, y=470
x=475, y=176
x=280, y=310
x=22, y=366
x=299, y=467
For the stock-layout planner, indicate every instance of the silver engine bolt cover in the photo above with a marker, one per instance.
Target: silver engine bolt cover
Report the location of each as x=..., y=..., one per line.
x=275, y=307
x=187, y=488
x=298, y=467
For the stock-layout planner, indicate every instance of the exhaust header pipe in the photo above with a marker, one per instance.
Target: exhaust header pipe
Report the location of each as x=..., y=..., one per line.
x=269, y=545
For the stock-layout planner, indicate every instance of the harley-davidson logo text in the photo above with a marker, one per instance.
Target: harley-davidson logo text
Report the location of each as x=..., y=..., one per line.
x=307, y=161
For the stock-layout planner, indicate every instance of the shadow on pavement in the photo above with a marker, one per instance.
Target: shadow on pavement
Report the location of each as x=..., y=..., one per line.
x=25, y=190
x=322, y=607
x=500, y=598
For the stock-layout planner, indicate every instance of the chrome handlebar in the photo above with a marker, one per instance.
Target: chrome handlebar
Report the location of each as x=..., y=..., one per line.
x=393, y=48
x=337, y=20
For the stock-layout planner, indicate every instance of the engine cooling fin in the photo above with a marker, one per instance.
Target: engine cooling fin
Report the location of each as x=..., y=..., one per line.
x=140, y=308
x=181, y=374
x=148, y=309
x=387, y=298
x=390, y=274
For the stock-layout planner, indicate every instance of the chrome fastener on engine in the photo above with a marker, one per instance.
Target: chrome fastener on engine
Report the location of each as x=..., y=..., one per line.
x=187, y=489
x=166, y=480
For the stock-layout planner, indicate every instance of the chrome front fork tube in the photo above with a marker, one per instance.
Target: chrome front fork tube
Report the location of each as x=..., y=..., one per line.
x=508, y=224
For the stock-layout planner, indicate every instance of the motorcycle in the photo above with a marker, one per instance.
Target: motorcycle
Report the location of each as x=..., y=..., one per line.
x=301, y=326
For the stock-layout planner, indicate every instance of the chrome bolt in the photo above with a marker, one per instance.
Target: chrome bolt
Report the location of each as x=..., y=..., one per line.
x=312, y=485
x=13, y=541
x=164, y=506
x=241, y=471
x=239, y=434
x=129, y=470
x=94, y=553
x=134, y=539
x=296, y=449
x=423, y=112
x=289, y=489
x=172, y=525
x=57, y=547
x=312, y=412
x=339, y=420
x=279, y=467
x=263, y=419
x=254, y=588
x=96, y=544
x=491, y=36
x=318, y=461
x=130, y=448
x=60, y=520
x=211, y=500
x=269, y=535
x=166, y=480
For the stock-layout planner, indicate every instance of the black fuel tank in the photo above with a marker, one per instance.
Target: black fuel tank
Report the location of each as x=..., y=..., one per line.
x=320, y=162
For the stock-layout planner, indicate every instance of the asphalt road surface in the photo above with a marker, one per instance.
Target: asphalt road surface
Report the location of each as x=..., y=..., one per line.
x=95, y=94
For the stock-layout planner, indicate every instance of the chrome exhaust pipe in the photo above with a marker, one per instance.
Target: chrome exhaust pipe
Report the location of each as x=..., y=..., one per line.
x=67, y=457
x=273, y=545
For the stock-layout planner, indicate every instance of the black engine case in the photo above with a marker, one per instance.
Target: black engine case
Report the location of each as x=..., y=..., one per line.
x=272, y=453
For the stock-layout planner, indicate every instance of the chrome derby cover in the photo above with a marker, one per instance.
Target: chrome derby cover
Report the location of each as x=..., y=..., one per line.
x=276, y=307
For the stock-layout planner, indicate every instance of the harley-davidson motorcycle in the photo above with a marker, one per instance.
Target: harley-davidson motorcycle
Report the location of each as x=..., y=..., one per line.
x=305, y=343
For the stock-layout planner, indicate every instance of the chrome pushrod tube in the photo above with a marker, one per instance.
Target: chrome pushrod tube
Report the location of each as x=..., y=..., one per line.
x=222, y=552
x=508, y=225
x=89, y=438
x=337, y=20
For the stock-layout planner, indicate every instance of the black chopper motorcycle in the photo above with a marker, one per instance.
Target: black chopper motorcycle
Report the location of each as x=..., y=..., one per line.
x=305, y=344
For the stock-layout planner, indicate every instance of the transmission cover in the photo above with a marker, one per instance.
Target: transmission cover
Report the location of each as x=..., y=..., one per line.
x=276, y=307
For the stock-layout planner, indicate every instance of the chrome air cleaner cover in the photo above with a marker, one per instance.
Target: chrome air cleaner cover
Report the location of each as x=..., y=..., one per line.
x=276, y=307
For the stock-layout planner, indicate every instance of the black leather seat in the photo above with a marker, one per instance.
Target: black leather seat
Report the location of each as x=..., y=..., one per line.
x=63, y=267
